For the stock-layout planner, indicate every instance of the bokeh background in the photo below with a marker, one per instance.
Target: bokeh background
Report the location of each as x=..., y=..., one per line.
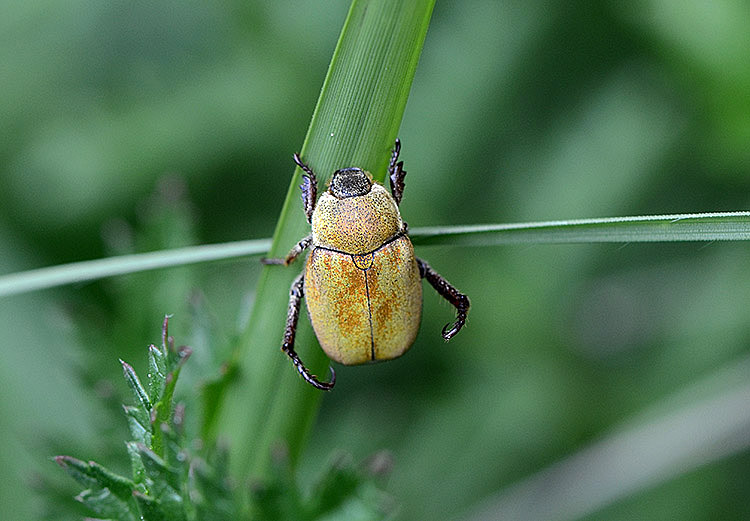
x=135, y=126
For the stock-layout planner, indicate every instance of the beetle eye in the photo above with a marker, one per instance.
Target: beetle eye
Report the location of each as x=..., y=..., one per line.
x=350, y=182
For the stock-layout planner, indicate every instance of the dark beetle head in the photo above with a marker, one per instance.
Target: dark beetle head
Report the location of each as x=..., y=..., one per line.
x=350, y=182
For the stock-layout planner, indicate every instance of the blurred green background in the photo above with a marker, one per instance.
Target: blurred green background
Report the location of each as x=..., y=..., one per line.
x=136, y=126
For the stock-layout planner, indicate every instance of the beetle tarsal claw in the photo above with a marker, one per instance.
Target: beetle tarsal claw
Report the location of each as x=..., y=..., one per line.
x=450, y=330
x=313, y=380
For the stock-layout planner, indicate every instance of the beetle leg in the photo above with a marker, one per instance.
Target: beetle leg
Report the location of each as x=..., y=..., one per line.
x=396, y=173
x=296, y=292
x=449, y=293
x=293, y=253
x=309, y=188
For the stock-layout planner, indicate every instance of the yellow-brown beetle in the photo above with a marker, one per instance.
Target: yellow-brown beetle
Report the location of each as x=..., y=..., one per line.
x=362, y=282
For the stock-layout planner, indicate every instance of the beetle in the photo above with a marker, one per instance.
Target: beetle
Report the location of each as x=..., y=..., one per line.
x=362, y=281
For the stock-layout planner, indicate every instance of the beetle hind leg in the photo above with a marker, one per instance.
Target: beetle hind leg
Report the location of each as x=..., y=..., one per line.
x=449, y=293
x=296, y=292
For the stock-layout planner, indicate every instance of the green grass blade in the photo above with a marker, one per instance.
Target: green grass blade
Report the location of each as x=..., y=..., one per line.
x=77, y=272
x=354, y=124
x=719, y=226
x=716, y=226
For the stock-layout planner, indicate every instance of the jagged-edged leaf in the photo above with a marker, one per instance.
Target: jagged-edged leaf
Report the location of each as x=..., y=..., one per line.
x=210, y=491
x=138, y=424
x=136, y=464
x=105, y=503
x=134, y=383
x=157, y=371
x=149, y=507
x=161, y=475
x=162, y=411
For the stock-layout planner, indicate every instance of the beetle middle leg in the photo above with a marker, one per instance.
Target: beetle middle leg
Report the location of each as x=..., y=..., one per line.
x=293, y=253
x=449, y=293
x=396, y=173
x=296, y=291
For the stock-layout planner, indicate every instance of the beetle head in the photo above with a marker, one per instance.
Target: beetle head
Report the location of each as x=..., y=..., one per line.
x=350, y=182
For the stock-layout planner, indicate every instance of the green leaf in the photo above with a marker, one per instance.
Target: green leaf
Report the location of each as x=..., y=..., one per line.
x=93, y=475
x=138, y=469
x=344, y=492
x=77, y=469
x=138, y=424
x=157, y=371
x=105, y=503
x=162, y=412
x=141, y=396
x=337, y=486
x=120, y=486
x=150, y=508
x=158, y=471
x=355, y=123
x=210, y=492
x=107, y=493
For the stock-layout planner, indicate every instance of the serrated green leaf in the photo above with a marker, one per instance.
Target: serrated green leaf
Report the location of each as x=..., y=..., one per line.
x=120, y=486
x=138, y=469
x=174, y=455
x=140, y=394
x=174, y=356
x=210, y=491
x=138, y=424
x=158, y=471
x=105, y=503
x=77, y=469
x=162, y=412
x=173, y=506
x=149, y=508
x=157, y=372
x=336, y=486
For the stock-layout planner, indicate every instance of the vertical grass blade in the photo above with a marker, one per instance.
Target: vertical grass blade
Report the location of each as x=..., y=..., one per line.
x=354, y=124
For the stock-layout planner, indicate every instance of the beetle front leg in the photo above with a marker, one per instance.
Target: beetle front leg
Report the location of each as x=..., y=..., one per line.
x=309, y=188
x=449, y=293
x=293, y=253
x=296, y=292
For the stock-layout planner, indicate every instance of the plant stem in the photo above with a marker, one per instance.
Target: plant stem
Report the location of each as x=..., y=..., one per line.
x=354, y=124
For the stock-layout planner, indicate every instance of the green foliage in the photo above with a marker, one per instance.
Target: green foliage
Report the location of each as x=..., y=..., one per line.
x=593, y=381
x=171, y=480
x=344, y=492
x=160, y=486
